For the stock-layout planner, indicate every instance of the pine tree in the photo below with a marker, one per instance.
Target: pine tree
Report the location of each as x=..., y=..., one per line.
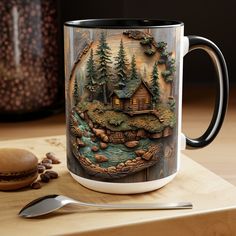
x=103, y=53
x=121, y=65
x=91, y=76
x=155, y=85
x=76, y=92
x=133, y=73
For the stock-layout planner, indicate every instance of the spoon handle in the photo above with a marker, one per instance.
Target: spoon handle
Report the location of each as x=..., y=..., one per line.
x=141, y=206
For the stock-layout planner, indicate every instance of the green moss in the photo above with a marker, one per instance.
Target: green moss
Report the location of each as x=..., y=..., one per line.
x=115, y=121
x=149, y=52
x=82, y=106
x=166, y=74
x=148, y=122
x=104, y=116
x=167, y=116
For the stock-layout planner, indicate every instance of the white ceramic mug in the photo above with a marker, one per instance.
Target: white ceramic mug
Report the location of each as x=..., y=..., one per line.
x=124, y=101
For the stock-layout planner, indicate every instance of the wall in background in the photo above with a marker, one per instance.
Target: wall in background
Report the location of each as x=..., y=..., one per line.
x=211, y=19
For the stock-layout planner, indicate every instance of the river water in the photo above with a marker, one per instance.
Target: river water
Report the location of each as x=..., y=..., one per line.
x=116, y=153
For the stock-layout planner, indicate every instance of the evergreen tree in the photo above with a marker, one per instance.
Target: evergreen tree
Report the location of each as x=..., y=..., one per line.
x=133, y=73
x=76, y=92
x=91, y=76
x=121, y=65
x=103, y=53
x=155, y=85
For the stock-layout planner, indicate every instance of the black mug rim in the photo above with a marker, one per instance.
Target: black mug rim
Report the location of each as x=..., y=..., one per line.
x=124, y=23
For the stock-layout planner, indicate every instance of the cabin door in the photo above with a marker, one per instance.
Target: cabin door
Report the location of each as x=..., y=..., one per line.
x=141, y=104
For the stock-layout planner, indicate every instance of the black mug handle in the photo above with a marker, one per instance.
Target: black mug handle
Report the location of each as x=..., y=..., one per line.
x=217, y=58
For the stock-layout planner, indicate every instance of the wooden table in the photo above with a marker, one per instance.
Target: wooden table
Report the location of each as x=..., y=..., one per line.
x=213, y=198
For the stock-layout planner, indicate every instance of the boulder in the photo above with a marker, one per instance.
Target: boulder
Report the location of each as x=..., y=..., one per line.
x=100, y=158
x=126, y=168
x=104, y=138
x=80, y=143
x=140, y=152
x=128, y=162
x=111, y=169
x=76, y=132
x=156, y=135
x=98, y=132
x=120, y=165
x=131, y=144
x=81, y=115
x=103, y=145
x=90, y=124
x=94, y=148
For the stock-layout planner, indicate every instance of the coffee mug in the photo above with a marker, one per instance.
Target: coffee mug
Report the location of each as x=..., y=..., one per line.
x=124, y=101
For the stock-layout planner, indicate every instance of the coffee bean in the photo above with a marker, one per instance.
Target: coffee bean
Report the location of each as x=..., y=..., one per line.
x=35, y=185
x=46, y=160
x=52, y=156
x=56, y=161
x=41, y=168
x=45, y=178
x=47, y=165
x=52, y=174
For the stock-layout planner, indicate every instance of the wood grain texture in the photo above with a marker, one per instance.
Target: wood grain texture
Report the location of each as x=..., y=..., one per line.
x=214, y=201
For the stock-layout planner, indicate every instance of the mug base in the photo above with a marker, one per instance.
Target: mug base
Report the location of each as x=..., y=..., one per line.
x=123, y=188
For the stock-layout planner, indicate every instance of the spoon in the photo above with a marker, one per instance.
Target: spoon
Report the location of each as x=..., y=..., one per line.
x=50, y=203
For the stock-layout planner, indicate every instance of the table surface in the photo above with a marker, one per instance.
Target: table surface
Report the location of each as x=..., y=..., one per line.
x=218, y=157
x=212, y=211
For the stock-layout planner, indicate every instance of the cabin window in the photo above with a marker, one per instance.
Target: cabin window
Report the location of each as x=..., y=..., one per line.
x=117, y=101
x=146, y=100
x=134, y=101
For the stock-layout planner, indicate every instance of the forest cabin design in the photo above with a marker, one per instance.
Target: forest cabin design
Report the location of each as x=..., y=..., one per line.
x=136, y=96
x=122, y=111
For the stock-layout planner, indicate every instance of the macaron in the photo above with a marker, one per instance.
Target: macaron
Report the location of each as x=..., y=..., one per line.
x=18, y=168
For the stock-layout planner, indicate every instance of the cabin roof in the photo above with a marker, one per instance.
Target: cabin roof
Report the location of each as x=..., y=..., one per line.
x=130, y=88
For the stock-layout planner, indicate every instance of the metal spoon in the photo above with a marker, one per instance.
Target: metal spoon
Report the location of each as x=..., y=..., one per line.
x=49, y=203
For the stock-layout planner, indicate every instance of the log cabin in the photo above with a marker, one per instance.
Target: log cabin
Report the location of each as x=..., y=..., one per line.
x=135, y=96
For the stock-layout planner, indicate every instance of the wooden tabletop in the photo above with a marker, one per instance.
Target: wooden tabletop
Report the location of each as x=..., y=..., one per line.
x=213, y=212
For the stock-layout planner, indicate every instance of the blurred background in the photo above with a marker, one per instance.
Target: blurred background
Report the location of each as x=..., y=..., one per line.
x=211, y=19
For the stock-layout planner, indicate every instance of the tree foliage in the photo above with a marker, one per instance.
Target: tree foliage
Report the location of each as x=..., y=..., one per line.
x=103, y=52
x=76, y=92
x=91, y=75
x=155, y=85
x=133, y=72
x=121, y=65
